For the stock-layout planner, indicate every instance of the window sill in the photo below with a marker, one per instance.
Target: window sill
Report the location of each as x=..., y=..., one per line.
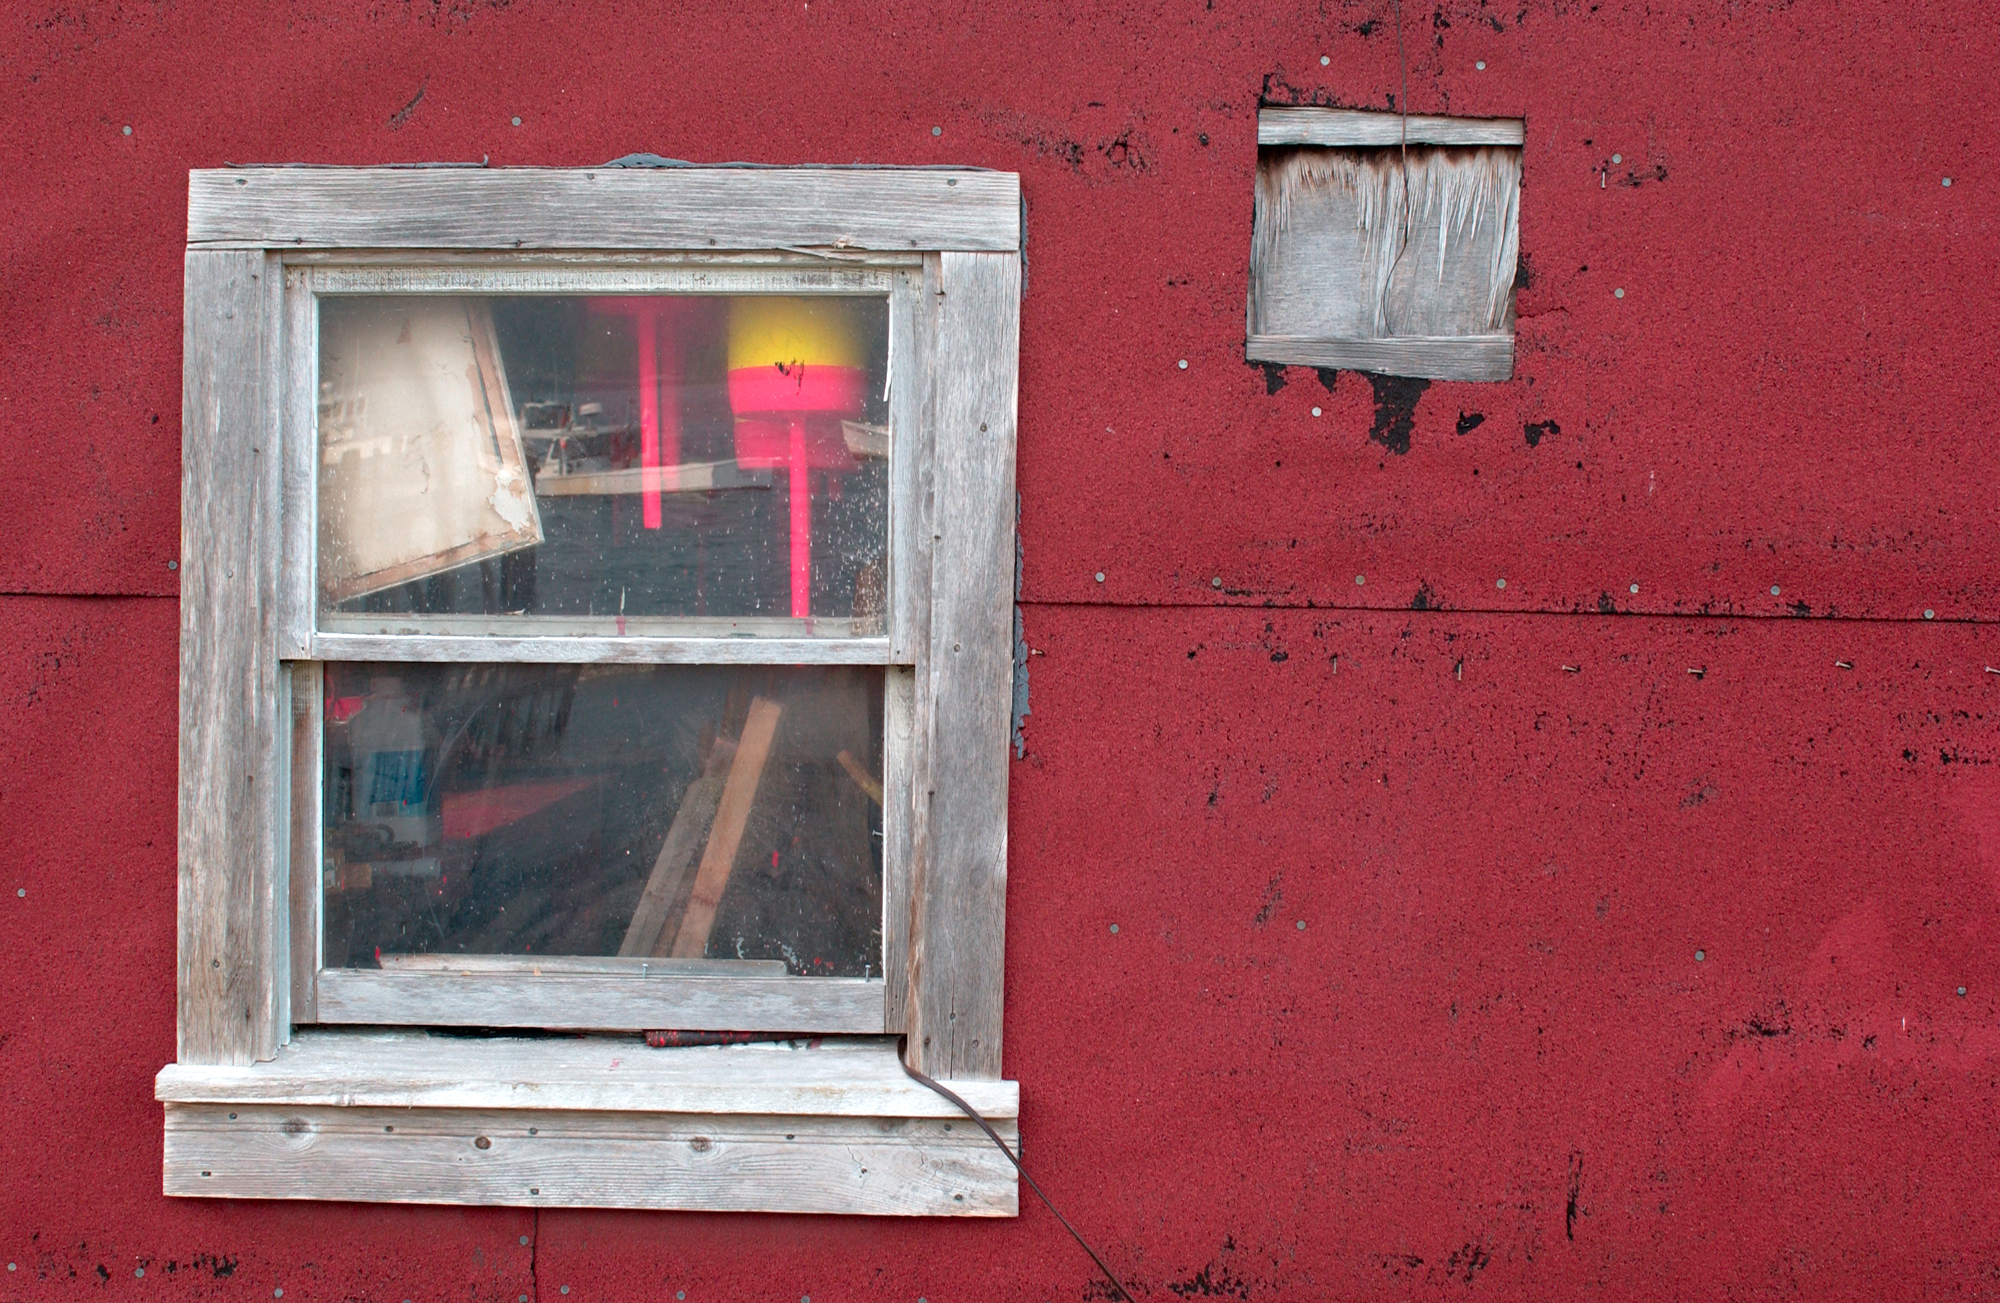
x=1444, y=357
x=830, y=1126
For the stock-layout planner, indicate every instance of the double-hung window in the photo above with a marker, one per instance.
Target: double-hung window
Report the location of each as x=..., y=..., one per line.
x=596, y=620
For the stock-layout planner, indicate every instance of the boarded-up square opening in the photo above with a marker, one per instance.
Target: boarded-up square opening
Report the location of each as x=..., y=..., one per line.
x=1386, y=244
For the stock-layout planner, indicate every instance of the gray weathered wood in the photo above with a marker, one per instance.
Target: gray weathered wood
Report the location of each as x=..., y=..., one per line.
x=625, y=965
x=1317, y=126
x=842, y=1076
x=604, y=208
x=637, y=650
x=954, y=1014
x=815, y=277
x=909, y=387
x=303, y=821
x=231, y=751
x=481, y=999
x=298, y=438
x=878, y=1166
x=898, y=756
x=515, y=260
x=1469, y=357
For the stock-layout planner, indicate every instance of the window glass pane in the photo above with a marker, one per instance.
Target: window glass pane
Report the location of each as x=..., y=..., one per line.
x=637, y=814
x=604, y=464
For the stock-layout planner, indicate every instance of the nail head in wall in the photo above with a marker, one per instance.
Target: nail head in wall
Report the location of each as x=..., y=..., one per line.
x=1961, y=990
x=1481, y=65
x=1929, y=614
x=1215, y=582
x=1700, y=955
x=1947, y=180
x=1635, y=588
x=173, y=565
x=1100, y=576
x=1315, y=411
x=1618, y=158
x=1183, y=364
x=524, y=1239
x=1361, y=579
x=1774, y=590
x=937, y=131
x=1499, y=583
x=1324, y=61
x=517, y=121
x=1114, y=929
x=1302, y=925
x=20, y=891
x=1618, y=294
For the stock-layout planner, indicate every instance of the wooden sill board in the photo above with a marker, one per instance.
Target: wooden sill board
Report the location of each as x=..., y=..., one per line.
x=844, y=1077
x=529, y=1158
x=598, y=1122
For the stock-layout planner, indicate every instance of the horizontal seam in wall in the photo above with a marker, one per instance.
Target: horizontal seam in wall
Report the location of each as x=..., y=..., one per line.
x=1350, y=609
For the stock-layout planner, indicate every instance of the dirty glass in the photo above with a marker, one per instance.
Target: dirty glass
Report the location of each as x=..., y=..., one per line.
x=666, y=463
x=644, y=819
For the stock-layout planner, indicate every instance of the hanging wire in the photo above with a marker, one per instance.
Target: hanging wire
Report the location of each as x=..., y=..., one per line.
x=994, y=1136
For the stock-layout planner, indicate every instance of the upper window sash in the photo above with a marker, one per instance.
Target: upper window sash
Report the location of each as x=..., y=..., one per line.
x=307, y=631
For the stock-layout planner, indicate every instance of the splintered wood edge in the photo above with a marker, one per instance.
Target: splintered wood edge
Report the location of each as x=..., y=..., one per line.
x=1471, y=357
x=540, y=1158
x=1358, y=128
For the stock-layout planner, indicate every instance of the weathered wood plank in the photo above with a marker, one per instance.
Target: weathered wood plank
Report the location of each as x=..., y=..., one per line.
x=531, y=1158
x=303, y=823
x=680, y=854
x=732, y=814
x=299, y=497
x=1469, y=357
x=848, y=1076
x=1359, y=127
x=954, y=1014
x=636, y=650
x=231, y=757
x=481, y=999
x=899, y=723
x=815, y=276
x=607, y=208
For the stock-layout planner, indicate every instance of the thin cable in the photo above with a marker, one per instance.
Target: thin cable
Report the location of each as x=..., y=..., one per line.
x=994, y=1136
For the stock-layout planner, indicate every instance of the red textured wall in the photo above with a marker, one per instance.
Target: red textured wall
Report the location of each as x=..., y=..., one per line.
x=1489, y=1063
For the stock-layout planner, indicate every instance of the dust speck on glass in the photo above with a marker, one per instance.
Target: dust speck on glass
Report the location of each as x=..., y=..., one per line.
x=562, y=465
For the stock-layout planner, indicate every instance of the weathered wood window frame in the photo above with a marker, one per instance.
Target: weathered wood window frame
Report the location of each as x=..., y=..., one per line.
x=1321, y=137
x=270, y=1095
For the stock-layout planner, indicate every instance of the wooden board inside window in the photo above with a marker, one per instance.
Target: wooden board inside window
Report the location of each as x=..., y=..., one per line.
x=422, y=467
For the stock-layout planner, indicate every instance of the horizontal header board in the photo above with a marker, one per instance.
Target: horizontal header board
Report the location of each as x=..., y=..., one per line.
x=1356, y=127
x=605, y=208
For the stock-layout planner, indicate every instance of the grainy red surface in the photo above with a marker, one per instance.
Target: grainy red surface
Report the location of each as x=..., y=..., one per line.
x=1489, y=1063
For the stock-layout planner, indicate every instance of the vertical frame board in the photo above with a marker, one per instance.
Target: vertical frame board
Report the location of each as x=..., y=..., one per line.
x=959, y=907
x=299, y=454
x=232, y=897
x=303, y=822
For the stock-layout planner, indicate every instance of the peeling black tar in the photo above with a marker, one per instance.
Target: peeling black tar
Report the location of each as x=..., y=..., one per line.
x=1524, y=275
x=1534, y=430
x=1425, y=600
x=1470, y=421
x=1605, y=606
x=1395, y=410
x=1575, y=1189
x=408, y=111
x=1274, y=376
x=1326, y=376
